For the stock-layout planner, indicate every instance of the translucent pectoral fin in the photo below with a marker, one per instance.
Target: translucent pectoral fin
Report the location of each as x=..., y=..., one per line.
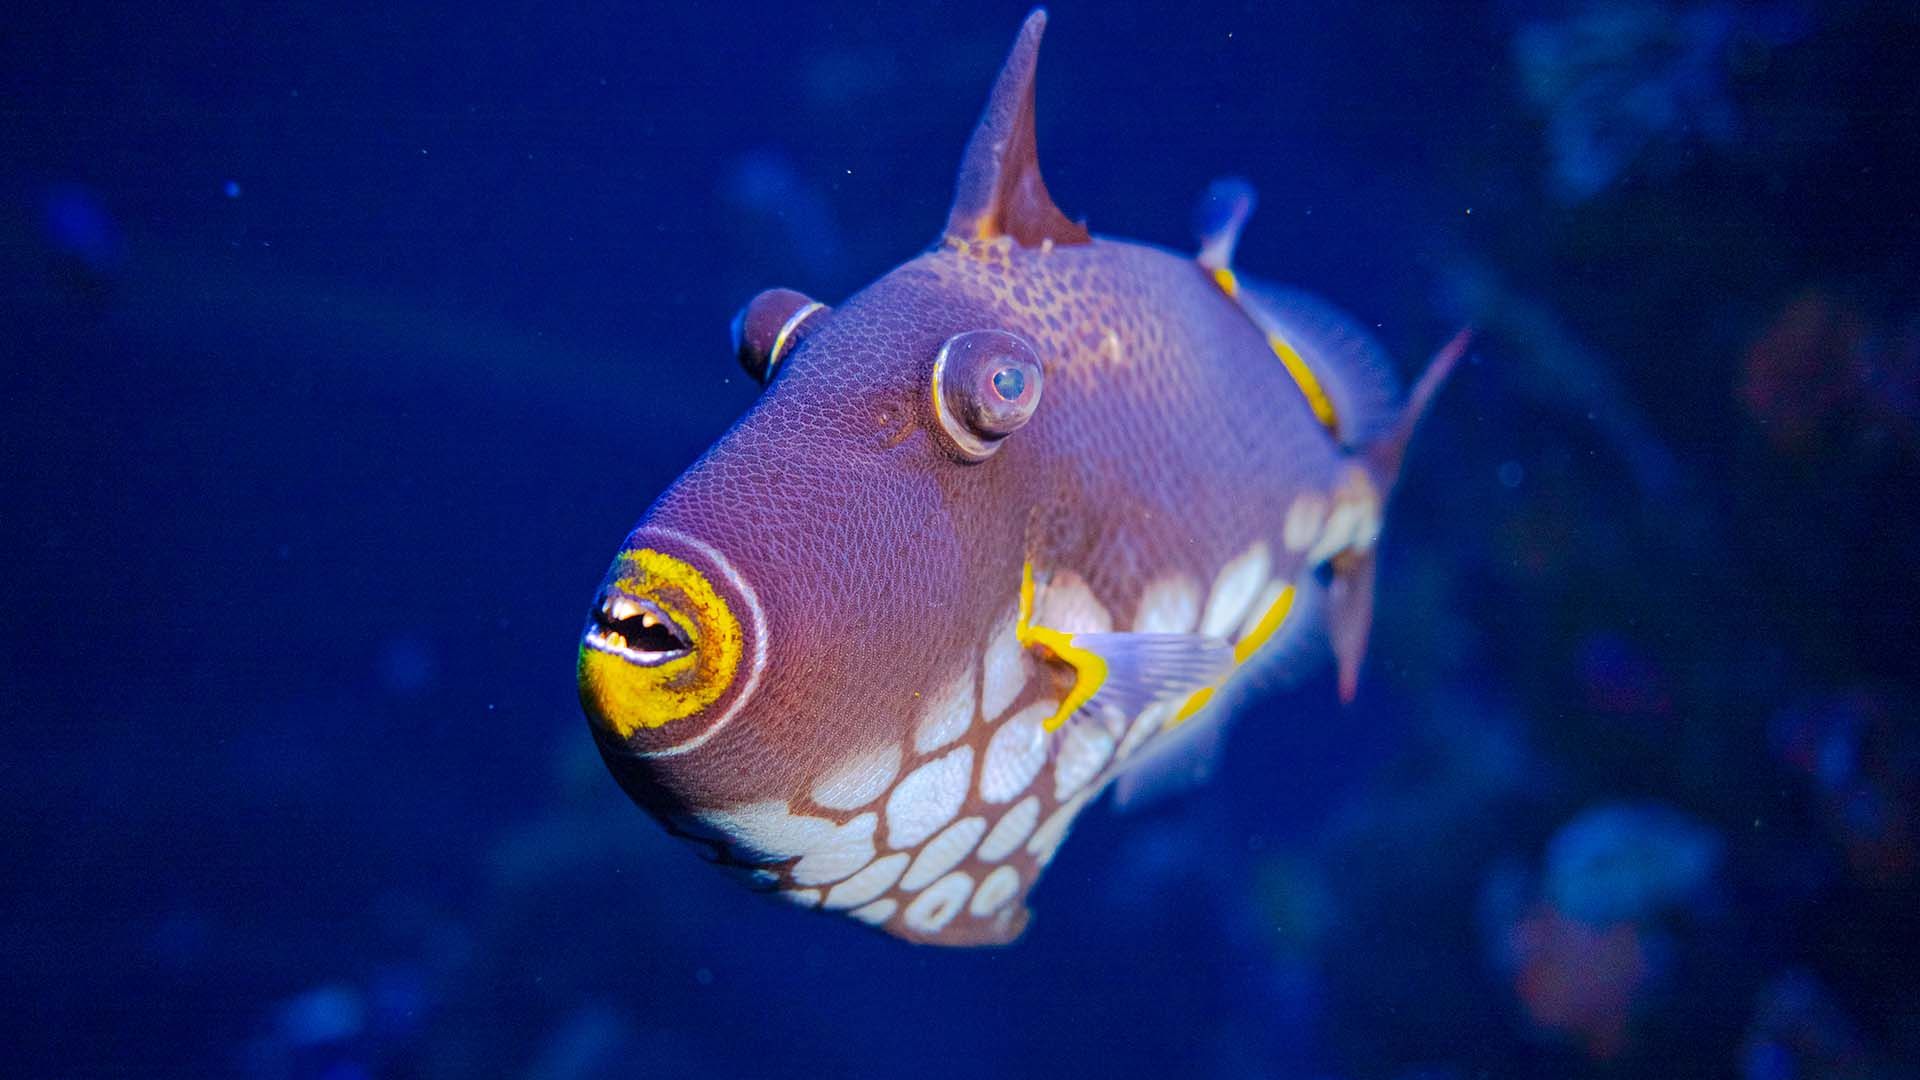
x=1145, y=668
x=1119, y=674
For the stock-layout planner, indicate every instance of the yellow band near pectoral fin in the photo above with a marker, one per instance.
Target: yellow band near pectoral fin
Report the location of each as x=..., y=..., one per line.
x=1089, y=668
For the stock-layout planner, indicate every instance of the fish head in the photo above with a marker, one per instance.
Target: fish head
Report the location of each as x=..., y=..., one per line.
x=803, y=580
x=804, y=614
x=794, y=655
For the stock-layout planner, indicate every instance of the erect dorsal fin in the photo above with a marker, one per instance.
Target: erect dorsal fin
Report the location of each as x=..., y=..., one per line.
x=1000, y=192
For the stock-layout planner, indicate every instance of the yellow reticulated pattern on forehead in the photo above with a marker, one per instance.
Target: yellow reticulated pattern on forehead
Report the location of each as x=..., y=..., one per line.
x=634, y=697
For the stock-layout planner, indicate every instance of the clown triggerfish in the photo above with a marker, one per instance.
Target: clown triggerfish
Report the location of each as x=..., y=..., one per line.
x=1006, y=526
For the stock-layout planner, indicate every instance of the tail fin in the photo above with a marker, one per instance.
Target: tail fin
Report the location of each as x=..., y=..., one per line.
x=1384, y=454
x=1350, y=595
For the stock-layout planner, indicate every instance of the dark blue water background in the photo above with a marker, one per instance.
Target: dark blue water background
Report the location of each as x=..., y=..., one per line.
x=342, y=344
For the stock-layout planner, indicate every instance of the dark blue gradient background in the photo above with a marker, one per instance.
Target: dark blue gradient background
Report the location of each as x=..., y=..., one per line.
x=340, y=345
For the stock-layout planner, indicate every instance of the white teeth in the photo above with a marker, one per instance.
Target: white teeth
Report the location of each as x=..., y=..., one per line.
x=621, y=608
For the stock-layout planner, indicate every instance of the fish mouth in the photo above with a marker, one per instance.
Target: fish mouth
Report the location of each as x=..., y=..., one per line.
x=635, y=629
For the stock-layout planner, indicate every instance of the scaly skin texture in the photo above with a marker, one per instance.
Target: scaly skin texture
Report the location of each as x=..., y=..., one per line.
x=880, y=749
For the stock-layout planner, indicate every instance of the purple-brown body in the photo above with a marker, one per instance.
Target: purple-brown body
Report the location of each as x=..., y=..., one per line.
x=1173, y=483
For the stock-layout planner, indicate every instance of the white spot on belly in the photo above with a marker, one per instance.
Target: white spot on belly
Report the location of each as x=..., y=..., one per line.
x=1234, y=590
x=803, y=897
x=932, y=910
x=838, y=854
x=995, y=891
x=1304, y=518
x=928, y=798
x=1150, y=720
x=1015, y=753
x=876, y=913
x=869, y=883
x=1169, y=606
x=944, y=852
x=1338, y=534
x=1066, y=603
x=1366, y=531
x=1083, y=752
x=948, y=715
x=858, y=781
x=1002, y=672
x=767, y=829
x=1010, y=830
x=1046, y=839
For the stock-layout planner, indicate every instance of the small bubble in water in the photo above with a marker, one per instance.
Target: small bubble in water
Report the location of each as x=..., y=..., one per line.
x=1511, y=474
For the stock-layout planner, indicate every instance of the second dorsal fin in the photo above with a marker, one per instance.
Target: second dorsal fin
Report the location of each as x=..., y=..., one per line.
x=1000, y=192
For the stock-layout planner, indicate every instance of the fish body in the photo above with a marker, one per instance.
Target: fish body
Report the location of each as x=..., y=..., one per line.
x=1000, y=529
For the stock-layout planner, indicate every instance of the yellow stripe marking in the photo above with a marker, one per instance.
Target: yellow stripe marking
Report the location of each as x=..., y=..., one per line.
x=1194, y=704
x=1304, y=378
x=1244, y=649
x=1089, y=667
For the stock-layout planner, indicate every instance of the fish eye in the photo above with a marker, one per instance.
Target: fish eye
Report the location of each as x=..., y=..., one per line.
x=986, y=385
x=767, y=329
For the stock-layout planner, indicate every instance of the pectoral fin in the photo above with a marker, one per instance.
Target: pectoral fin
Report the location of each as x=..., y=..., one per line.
x=1120, y=674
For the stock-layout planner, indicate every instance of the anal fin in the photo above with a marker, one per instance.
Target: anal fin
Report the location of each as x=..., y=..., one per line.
x=1350, y=614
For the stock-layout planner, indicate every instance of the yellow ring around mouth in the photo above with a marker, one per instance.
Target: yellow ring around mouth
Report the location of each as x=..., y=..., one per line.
x=627, y=697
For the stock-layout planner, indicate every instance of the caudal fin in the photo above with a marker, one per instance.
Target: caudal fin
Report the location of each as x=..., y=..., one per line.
x=1385, y=453
x=1350, y=594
